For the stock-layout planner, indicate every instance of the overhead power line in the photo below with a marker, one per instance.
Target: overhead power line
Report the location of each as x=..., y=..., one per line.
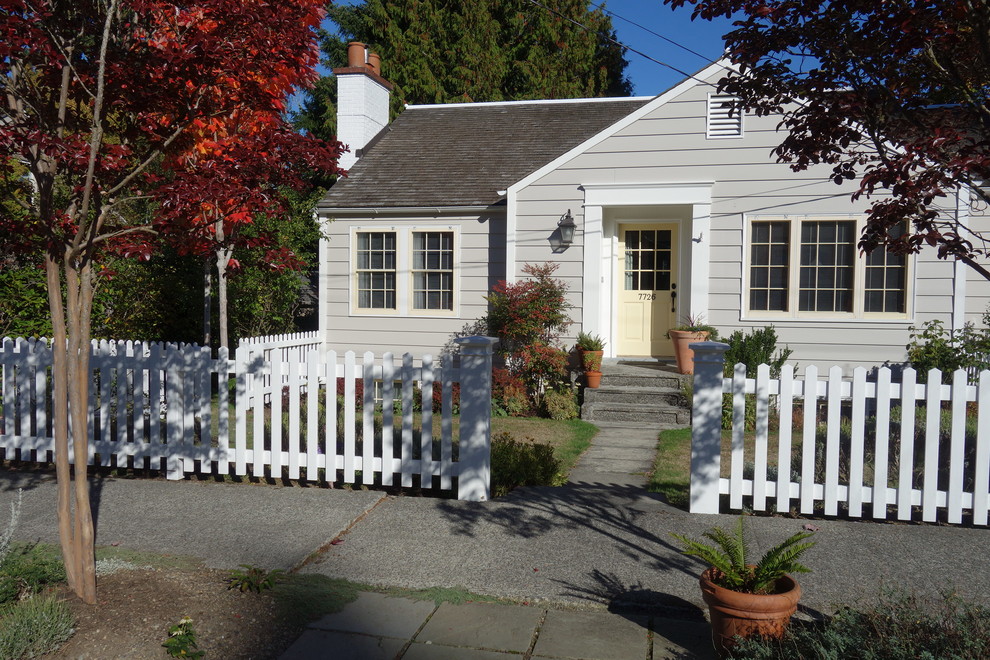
x=612, y=40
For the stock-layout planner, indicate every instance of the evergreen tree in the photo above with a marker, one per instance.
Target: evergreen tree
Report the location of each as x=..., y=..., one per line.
x=455, y=51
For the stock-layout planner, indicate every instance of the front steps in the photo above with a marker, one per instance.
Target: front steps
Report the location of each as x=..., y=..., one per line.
x=642, y=392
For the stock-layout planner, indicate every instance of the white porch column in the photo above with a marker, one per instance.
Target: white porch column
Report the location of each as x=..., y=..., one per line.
x=701, y=241
x=594, y=315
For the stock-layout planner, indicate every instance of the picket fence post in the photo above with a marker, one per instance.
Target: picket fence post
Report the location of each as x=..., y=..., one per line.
x=706, y=425
x=474, y=477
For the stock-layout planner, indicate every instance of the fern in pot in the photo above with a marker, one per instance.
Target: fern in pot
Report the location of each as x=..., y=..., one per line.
x=591, y=348
x=746, y=599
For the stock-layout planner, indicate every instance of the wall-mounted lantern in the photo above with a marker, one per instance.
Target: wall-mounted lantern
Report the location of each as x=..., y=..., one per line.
x=567, y=226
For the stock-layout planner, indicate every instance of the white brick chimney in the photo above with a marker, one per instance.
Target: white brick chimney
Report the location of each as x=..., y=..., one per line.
x=362, y=101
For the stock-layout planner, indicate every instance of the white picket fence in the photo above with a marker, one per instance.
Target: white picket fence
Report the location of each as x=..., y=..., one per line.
x=868, y=463
x=152, y=404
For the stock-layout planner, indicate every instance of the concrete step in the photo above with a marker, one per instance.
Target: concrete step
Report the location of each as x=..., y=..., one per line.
x=612, y=395
x=636, y=412
x=659, y=380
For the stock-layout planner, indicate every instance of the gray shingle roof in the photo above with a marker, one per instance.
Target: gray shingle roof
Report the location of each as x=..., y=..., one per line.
x=460, y=155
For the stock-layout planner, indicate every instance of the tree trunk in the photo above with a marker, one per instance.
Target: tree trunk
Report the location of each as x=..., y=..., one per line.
x=223, y=255
x=207, y=302
x=70, y=402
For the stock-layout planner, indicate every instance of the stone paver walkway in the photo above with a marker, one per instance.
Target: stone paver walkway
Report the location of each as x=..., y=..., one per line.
x=377, y=627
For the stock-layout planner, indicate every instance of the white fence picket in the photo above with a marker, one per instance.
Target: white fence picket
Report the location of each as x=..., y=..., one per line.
x=809, y=438
x=933, y=403
x=388, y=418
x=153, y=403
x=881, y=446
x=762, y=438
x=738, y=436
x=981, y=482
x=426, y=432
x=950, y=478
x=349, y=417
x=785, y=419
x=407, y=421
x=368, y=420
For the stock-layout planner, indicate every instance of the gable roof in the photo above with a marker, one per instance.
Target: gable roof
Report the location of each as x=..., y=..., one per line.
x=463, y=154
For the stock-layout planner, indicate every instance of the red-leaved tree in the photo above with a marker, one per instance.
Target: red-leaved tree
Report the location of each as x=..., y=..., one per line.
x=894, y=93
x=140, y=122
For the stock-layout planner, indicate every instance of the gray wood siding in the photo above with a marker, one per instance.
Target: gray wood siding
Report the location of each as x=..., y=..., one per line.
x=479, y=263
x=668, y=146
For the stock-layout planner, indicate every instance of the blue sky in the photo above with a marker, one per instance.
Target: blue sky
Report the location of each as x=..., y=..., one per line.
x=650, y=78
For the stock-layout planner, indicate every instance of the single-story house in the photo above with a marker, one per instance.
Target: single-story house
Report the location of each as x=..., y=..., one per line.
x=680, y=208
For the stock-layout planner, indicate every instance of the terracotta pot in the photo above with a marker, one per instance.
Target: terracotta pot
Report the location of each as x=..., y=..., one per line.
x=593, y=379
x=685, y=356
x=735, y=613
x=595, y=358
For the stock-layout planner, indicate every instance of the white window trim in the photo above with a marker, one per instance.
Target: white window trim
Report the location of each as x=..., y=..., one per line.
x=403, y=271
x=794, y=260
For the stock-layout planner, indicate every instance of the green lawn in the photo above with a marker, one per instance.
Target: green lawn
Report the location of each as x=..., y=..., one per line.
x=569, y=438
x=671, y=475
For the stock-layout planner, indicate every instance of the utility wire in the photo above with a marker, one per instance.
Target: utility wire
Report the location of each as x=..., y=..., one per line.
x=646, y=29
x=610, y=39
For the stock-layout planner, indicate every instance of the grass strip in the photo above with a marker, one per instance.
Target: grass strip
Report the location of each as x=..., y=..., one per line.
x=671, y=475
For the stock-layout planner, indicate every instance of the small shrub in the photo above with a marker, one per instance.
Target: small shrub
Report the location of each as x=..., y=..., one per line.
x=898, y=626
x=252, y=578
x=34, y=627
x=509, y=396
x=756, y=348
x=934, y=347
x=181, y=642
x=561, y=404
x=521, y=463
x=543, y=368
x=752, y=350
x=749, y=412
x=26, y=570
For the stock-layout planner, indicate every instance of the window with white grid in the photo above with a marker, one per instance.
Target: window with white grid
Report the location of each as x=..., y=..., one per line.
x=376, y=265
x=828, y=250
x=886, y=275
x=406, y=270
x=769, y=266
x=811, y=267
x=433, y=270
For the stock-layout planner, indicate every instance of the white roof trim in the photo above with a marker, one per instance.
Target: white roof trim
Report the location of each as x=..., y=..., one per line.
x=376, y=211
x=632, y=117
x=488, y=104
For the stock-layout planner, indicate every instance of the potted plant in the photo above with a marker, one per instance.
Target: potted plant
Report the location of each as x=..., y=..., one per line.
x=693, y=329
x=590, y=348
x=747, y=599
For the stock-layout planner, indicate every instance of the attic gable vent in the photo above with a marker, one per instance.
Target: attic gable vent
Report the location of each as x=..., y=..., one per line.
x=725, y=119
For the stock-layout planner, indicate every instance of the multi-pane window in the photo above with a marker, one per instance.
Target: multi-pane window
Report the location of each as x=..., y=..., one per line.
x=376, y=270
x=768, y=266
x=648, y=260
x=433, y=270
x=886, y=275
x=828, y=251
x=404, y=270
x=811, y=266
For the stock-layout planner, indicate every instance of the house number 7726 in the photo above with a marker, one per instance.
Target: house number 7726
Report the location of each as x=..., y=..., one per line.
x=647, y=296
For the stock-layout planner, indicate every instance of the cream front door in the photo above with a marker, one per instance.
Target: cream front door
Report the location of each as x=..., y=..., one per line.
x=647, y=288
